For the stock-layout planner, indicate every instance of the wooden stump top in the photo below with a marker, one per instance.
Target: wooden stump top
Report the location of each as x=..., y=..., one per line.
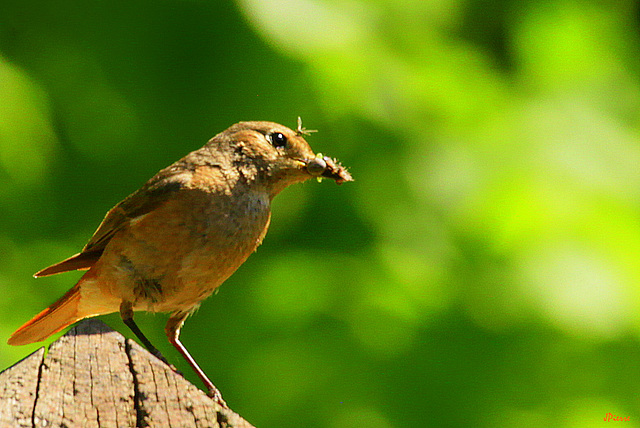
x=94, y=377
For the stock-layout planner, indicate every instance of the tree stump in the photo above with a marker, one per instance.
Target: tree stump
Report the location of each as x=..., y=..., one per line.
x=94, y=377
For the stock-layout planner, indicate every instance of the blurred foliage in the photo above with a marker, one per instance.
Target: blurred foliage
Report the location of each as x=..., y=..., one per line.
x=482, y=270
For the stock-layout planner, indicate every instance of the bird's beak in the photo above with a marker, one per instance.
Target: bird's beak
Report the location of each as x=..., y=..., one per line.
x=324, y=166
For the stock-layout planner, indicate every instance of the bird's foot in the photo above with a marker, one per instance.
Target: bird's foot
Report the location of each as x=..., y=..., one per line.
x=215, y=395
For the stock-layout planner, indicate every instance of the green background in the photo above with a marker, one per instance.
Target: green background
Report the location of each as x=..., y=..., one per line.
x=482, y=270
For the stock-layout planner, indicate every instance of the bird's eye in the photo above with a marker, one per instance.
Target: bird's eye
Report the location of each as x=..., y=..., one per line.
x=278, y=140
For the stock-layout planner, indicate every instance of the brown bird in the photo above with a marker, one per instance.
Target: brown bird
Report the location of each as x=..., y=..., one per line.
x=170, y=244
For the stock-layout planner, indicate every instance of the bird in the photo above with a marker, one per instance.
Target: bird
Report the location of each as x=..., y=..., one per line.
x=173, y=242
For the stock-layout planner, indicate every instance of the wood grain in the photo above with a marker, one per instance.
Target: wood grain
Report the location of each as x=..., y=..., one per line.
x=94, y=377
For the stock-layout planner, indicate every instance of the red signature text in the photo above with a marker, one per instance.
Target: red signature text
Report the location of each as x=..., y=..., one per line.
x=610, y=417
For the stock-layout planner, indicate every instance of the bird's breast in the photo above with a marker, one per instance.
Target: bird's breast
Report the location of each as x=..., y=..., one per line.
x=181, y=252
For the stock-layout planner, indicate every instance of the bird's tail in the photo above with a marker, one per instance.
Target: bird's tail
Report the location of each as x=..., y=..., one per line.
x=61, y=314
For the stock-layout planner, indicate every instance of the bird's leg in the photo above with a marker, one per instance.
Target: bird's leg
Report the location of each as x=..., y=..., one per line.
x=174, y=324
x=126, y=312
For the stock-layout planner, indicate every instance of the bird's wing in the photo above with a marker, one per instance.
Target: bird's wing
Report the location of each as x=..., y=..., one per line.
x=154, y=193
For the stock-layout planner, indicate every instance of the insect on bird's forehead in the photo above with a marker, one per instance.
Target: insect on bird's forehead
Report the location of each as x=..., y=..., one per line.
x=300, y=131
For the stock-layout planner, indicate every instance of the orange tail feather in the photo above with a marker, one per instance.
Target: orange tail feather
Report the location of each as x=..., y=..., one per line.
x=61, y=314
